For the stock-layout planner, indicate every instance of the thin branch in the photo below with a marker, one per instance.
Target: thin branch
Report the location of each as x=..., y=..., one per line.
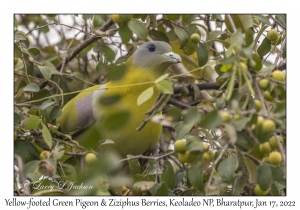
x=231, y=23
x=282, y=26
x=260, y=96
x=178, y=104
x=280, y=148
x=214, y=164
x=146, y=157
x=201, y=86
x=280, y=51
x=83, y=45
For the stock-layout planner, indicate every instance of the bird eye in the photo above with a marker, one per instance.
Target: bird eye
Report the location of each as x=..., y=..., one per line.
x=152, y=48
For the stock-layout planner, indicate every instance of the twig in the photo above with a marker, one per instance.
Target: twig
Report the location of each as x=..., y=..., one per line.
x=21, y=173
x=231, y=23
x=280, y=148
x=277, y=22
x=264, y=108
x=281, y=49
x=83, y=45
x=150, y=112
x=178, y=104
x=146, y=157
x=23, y=58
x=214, y=164
x=201, y=86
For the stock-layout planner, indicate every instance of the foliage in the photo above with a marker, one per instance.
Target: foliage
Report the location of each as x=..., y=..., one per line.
x=220, y=74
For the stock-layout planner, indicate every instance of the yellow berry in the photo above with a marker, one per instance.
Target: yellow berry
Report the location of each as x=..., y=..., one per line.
x=180, y=146
x=116, y=18
x=244, y=66
x=275, y=158
x=264, y=84
x=269, y=126
x=278, y=75
x=195, y=38
x=258, y=105
x=183, y=157
x=44, y=155
x=237, y=117
x=273, y=141
x=205, y=146
x=258, y=191
x=272, y=35
x=265, y=148
x=259, y=121
x=267, y=96
x=90, y=157
x=256, y=21
x=225, y=116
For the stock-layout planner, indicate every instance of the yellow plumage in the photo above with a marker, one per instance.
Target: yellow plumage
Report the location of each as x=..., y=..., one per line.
x=87, y=108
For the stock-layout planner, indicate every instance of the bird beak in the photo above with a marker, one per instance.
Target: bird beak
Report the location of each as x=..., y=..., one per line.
x=172, y=57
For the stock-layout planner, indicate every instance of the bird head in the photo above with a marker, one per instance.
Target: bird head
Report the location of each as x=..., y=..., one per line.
x=154, y=55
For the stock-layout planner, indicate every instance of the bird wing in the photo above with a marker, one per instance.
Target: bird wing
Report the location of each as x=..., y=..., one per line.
x=78, y=113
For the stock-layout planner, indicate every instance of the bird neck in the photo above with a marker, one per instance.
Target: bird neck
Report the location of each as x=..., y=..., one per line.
x=137, y=76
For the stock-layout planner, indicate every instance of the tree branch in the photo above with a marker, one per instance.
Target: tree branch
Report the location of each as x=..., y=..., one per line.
x=83, y=45
x=201, y=86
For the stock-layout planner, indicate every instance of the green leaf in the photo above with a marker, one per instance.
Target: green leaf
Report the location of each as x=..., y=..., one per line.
x=158, y=35
x=46, y=104
x=239, y=184
x=134, y=166
x=108, y=100
x=179, y=176
x=281, y=19
x=165, y=87
x=45, y=72
x=182, y=35
x=19, y=36
x=251, y=168
x=25, y=150
x=116, y=72
x=17, y=51
x=17, y=118
x=117, y=119
x=264, y=176
x=162, y=189
x=202, y=54
x=33, y=52
x=55, y=113
x=145, y=95
x=47, y=136
x=214, y=34
x=264, y=48
x=258, y=64
x=194, y=174
x=106, y=141
x=30, y=170
x=58, y=152
x=263, y=19
x=246, y=21
x=70, y=172
x=138, y=28
x=125, y=33
x=181, y=129
x=106, y=51
x=167, y=176
x=211, y=120
x=32, y=87
x=227, y=168
x=32, y=122
x=190, y=192
x=194, y=144
x=161, y=78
